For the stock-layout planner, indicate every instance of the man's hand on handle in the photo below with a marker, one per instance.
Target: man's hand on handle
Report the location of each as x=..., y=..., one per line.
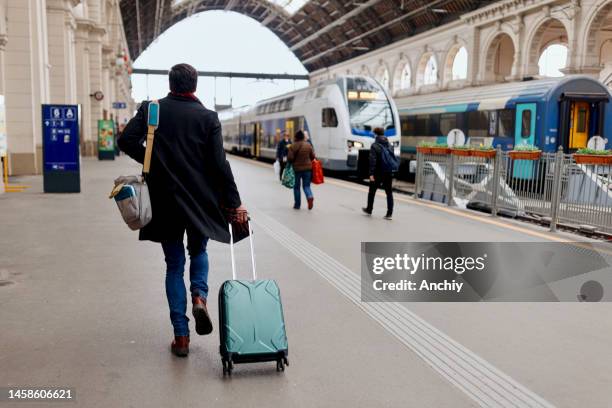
x=238, y=215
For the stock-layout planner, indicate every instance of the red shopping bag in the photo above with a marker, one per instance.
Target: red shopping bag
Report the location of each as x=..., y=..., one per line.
x=317, y=172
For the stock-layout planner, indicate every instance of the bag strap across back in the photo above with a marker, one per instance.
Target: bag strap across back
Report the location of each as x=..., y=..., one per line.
x=152, y=123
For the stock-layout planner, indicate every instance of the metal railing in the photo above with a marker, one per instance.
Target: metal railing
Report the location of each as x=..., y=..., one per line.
x=553, y=188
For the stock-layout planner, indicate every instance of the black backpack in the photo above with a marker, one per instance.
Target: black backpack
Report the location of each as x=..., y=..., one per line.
x=388, y=161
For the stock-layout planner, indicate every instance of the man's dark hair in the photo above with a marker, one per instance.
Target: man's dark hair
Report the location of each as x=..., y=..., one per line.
x=379, y=131
x=183, y=78
x=299, y=136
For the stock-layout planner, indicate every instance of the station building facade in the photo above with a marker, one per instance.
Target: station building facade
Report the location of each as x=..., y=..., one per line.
x=501, y=42
x=63, y=52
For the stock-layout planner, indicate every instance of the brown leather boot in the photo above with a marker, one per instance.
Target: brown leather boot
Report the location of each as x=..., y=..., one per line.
x=200, y=314
x=180, y=346
x=310, y=202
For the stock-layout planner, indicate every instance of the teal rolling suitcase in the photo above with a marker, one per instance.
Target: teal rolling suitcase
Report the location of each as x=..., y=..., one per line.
x=252, y=326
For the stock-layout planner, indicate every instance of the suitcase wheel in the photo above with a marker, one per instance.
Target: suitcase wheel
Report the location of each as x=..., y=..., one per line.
x=228, y=366
x=280, y=365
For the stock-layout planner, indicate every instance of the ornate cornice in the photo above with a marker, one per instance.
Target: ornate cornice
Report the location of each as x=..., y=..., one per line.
x=90, y=26
x=503, y=9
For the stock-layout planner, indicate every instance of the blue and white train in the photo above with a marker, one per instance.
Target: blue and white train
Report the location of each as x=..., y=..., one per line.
x=547, y=113
x=339, y=115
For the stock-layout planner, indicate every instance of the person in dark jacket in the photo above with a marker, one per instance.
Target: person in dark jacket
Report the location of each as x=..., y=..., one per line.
x=192, y=190
x=378, y=177
x=300, y=155
x=281, y=152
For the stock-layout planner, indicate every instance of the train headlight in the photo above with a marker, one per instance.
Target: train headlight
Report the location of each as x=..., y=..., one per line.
x=352, y=144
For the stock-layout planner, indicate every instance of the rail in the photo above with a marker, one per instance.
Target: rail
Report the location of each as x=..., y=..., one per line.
x=552, y=187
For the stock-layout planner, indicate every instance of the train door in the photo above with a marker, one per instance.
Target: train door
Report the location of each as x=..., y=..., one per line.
x=524, y=133
x=326, y=138
x=256, y=139
x=579, y=125
x=290, y=128
x=241, y=135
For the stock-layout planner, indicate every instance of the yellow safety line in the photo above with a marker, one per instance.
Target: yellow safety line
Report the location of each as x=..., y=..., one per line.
x=438, y=207
x=11, y=188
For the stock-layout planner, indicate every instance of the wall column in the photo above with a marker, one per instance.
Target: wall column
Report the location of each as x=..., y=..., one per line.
x=61, y=26
x=27, y=83
x=83, y=86
x=3, y=41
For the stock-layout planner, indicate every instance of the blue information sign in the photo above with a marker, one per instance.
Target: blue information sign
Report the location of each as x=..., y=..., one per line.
x=119, y=105
x=60, y=137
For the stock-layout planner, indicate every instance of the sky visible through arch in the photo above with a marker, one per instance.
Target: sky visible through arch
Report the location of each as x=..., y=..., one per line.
x=219, y=41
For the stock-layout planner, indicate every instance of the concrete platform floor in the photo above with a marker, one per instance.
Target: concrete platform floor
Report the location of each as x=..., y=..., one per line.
x=82, y=305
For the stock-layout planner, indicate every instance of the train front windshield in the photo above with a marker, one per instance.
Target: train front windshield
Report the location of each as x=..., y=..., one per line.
x=368, y=105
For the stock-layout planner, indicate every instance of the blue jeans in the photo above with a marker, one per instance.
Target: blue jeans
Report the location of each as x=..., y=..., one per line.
x=304, y=177
x=175, y=285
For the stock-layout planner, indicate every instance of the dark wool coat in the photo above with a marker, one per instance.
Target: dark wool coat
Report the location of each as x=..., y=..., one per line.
x=190, y=179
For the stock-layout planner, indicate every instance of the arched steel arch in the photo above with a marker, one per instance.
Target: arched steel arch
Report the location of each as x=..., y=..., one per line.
x=320, y=34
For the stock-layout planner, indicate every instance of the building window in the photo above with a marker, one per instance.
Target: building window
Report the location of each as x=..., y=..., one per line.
x=406, y=77
x=329, y=118
x=552, y=60
x=460, y=64
x=383, y=78
x=430, y=75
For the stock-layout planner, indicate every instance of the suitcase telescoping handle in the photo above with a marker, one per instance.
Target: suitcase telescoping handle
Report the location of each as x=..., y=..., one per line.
x=232, y=250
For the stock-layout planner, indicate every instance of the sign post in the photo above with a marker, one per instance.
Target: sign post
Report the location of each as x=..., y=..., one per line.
x=106, y=140
x=61, y=158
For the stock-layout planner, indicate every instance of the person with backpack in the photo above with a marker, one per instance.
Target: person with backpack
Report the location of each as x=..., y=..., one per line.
x=192, y=190
x=300, y=155
x=383, y=164
x=281, y=152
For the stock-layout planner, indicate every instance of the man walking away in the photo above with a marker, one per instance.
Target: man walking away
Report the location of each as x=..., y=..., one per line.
x=383, y=164
x=192, y=190
x=281, y=152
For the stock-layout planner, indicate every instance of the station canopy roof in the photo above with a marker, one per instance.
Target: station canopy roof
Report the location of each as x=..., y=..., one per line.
x=320, y=33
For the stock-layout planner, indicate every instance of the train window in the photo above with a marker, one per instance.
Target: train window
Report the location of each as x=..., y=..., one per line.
x=434, y=125
x=448, y=122
x=581, y=122
x=329, y=118
x=407, y=123
x=505, y=121
x=492, y=123
x=421, y=125
x=289, y=104
x=526, y=124
x=478, y=124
